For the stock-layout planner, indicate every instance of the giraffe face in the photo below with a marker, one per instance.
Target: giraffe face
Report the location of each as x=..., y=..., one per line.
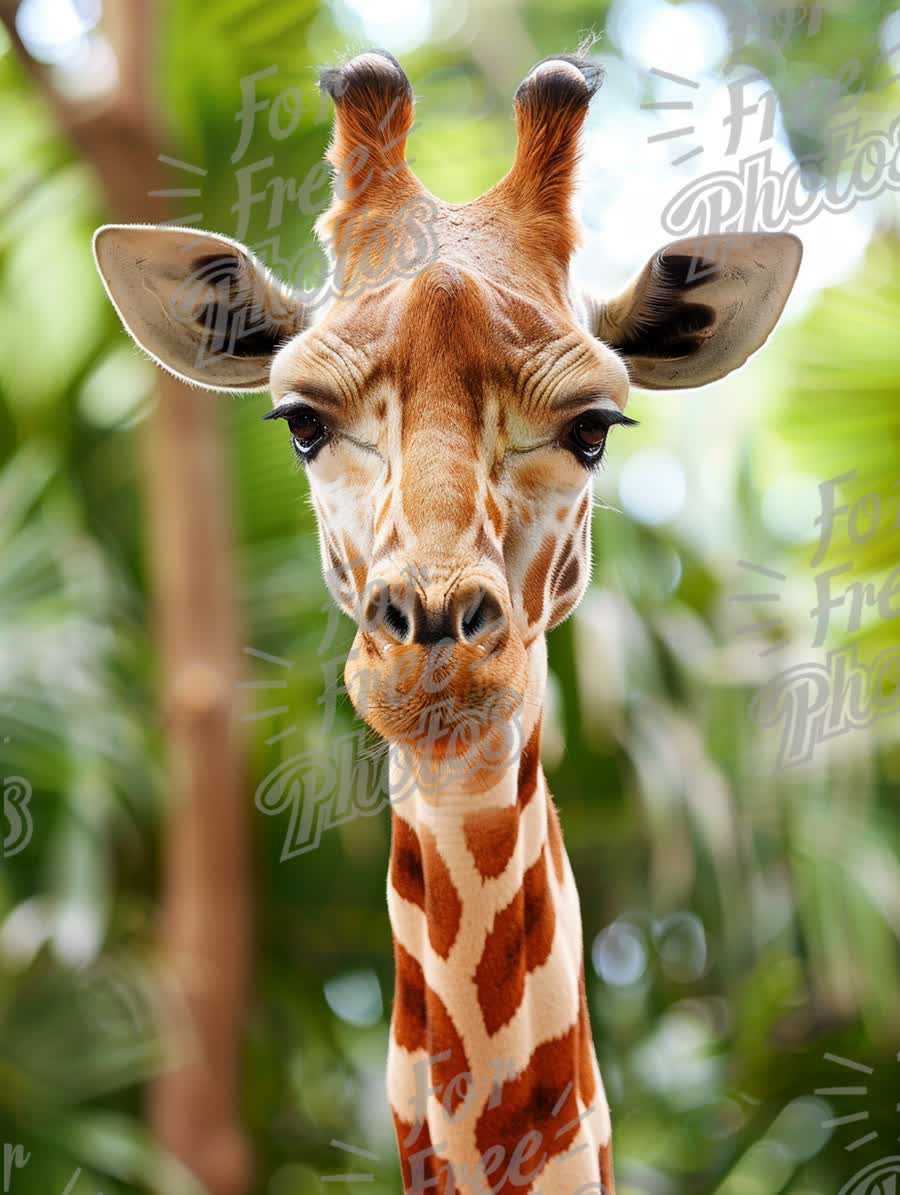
x=452, y=401
x=449, y=427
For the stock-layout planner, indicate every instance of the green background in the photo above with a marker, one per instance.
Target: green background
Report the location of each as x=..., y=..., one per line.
x=741, y=918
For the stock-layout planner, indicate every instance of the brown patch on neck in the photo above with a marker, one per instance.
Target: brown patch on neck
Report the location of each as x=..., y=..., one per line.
x=541, y=1102
x=540, y=915
x=491, y=838
x=554, y=839
x=443, y=908
x=409, y=1021
x=587, y=1087
x=450, y=1068
x=420, y=1021
x=407, y=872
x=420, y=875
x=529, y=767
x=420, y=1165
x=520, y=941
x=607, y=1178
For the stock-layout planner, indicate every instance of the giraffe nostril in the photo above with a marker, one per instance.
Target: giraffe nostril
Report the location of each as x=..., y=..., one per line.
x=396, y=622
x=473, y=617
x=397, y=614
x=384, y=614
x=481, y=614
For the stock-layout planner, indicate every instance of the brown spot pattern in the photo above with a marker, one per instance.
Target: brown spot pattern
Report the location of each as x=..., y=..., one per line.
x=486, y=550
x=561, y=559
x=421, y=1022
x=390, y=545
x=382, y=513
x=493, y=513
x=554, y=839
x=529, y=765
x=407, y=873
x=449, y=347
x=607, y=1178
x=409, y=1016
x=421, y=1167
x=540, y=915
x=587, y=1088
x=354, y=563
x=525, y=1125
x=450, y=1069
x=491, y=838
x=563, y=608
x=443, y=908
x=536, y=579
x=567, y=571
x=520, y=940
x=569, y=577
x=336, y=566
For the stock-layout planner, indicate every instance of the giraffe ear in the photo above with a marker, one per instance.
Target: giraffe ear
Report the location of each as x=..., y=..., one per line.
x=699, y=307
x=201, y=305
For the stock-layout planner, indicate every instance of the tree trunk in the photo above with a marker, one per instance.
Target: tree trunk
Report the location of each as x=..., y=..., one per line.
x=205, y=924
x=206, y=915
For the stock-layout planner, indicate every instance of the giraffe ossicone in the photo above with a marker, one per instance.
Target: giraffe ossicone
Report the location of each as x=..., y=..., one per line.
x=450, y=404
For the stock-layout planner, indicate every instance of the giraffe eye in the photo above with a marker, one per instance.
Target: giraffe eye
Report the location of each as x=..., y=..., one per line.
x=307, y=430
x=588, y=437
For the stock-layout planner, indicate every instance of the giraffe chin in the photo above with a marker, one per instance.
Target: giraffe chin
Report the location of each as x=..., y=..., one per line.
x=452, y=712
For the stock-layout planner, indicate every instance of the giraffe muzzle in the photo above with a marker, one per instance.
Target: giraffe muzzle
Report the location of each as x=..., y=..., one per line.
x=428, y=658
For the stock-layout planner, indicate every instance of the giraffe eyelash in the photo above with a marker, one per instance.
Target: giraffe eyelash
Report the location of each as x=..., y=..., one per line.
x=576, y=438
x=290, y=412
x=309, y=431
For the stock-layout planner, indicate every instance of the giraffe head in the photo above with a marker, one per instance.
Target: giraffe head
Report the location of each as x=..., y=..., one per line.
x=453, y=397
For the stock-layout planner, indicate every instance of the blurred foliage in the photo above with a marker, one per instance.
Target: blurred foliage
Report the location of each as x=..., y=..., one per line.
x=742, y=918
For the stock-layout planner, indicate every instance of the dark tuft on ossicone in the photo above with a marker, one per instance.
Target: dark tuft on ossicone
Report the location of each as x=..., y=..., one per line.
x=561, y=88
x=363, y=75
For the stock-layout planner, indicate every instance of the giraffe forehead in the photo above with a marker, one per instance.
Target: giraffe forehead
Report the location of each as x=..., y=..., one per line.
x=439, y=343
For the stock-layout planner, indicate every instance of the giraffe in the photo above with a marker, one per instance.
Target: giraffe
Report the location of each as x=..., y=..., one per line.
x=450, y=403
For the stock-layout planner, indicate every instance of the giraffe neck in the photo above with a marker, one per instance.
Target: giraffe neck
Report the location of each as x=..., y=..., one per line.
x=492, y=1076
